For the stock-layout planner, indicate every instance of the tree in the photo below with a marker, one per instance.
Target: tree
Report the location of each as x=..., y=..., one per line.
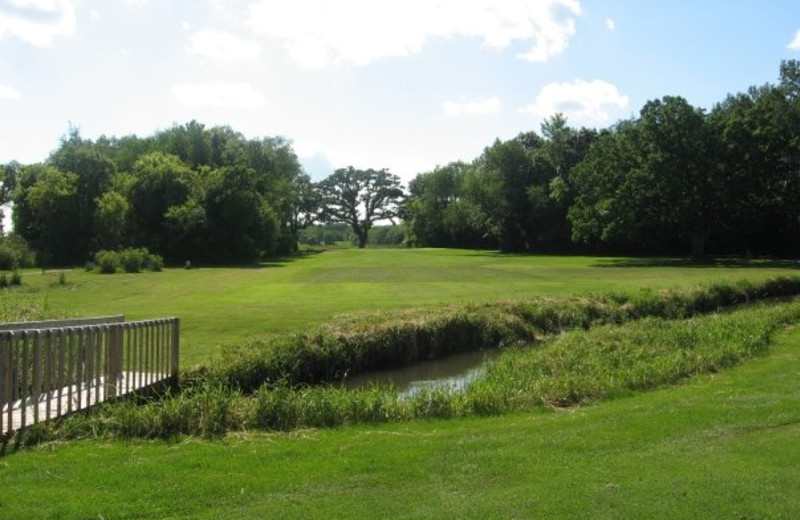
x=359, y=198
x=158, y=182
x=9, y=175
x=233, y=203
x=45, y=213
x=111, y=220
x=659, y=173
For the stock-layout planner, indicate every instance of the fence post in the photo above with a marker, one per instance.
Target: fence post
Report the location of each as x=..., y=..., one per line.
x=4, y=377
x=113, y=359
x=176, y=326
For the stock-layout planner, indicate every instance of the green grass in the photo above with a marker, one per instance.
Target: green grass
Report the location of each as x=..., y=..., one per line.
x=224, y=306
x=721, y=446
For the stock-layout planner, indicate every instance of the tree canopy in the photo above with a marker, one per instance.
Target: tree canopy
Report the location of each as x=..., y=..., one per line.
x=360, y=198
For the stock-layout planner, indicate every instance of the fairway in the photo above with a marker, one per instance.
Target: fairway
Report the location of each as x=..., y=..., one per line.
x=224, y=306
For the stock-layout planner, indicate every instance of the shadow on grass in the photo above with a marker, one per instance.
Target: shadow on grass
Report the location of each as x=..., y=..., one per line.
x=269, y=263
x=762, y=263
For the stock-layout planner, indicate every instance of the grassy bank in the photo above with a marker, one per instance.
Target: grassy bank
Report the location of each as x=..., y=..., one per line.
x=229, y=306
x=721, y=445
x=576, y=367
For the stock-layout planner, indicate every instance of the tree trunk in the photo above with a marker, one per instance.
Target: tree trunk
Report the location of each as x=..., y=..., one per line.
x=699, y=244
x=362, y=239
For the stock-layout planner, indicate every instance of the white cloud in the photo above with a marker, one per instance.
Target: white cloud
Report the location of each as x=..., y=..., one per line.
x=795, y=43
x=219, y=94
x=37, y=22
x=318, y=33
x=7, y=92
x=582, y=102
x=94, y=14
x=474, y=107
x=611, y=24
x=223, y=46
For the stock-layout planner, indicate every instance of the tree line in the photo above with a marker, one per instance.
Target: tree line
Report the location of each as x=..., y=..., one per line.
x=207, y=195
x=676, y=179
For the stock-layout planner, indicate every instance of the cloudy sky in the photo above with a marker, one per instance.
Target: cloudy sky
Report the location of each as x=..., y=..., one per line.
x=401, y=84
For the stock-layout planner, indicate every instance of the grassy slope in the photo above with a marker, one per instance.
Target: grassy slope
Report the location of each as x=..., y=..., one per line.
x=718, y=447
x=225, y=306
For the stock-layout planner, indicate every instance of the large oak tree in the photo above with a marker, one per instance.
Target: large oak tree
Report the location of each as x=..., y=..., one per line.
x=360, y=198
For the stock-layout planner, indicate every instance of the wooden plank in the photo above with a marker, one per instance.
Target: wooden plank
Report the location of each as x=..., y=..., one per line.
x=61, y=367
x=23, y=394
x=11, y=373
x=176, y=325
x=4, y=376
x=53, y=324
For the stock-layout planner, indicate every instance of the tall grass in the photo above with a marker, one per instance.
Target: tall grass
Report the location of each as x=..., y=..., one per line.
x=569, y=369
x=362, y=342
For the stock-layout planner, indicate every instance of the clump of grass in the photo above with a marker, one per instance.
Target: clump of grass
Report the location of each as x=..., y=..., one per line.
x=610, y=361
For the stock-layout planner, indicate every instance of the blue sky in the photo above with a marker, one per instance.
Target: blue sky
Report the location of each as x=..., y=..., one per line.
x=399, y=84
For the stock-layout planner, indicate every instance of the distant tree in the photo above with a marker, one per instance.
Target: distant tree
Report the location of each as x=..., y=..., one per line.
x=9, y=175
x=304, y=204
x=157, y=183
x=46, y=213
x=359, y=198
x=111, y=220
x=659, y=175
x=242, y=226
x=430, y=196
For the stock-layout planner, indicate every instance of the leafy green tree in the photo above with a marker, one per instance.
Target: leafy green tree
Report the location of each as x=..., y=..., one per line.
x=46, y=207
x=157, y=183
x=430, y=196
x=234, y=203
x=111, y=220
x=658, y=175
x=359, y=198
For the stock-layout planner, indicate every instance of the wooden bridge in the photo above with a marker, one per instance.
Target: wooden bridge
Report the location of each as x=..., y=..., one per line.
x=49, y=369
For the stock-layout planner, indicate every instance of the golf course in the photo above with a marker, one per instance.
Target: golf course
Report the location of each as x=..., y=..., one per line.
x=716, y=441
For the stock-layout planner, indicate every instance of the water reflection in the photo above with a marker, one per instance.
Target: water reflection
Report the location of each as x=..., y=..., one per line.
x=455, y=371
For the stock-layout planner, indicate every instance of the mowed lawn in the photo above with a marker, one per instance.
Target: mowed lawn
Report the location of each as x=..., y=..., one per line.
x=722, y=446
x=223, y=306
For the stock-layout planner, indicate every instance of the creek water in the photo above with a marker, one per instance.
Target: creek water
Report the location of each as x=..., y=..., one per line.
x=454, y=371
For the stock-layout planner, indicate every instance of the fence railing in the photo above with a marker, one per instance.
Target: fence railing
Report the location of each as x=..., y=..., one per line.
x=50, y=369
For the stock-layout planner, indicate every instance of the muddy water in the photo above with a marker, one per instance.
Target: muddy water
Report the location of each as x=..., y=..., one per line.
x=454, y=371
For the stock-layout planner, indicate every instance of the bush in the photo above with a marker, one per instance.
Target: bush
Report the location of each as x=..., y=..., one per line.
x=15, y=253
x=16, y=278
x=154, y=262
x=133, y=259
x=107, y=261
x=3, y=280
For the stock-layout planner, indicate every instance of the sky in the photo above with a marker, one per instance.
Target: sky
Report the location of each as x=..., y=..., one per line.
x=399, y=84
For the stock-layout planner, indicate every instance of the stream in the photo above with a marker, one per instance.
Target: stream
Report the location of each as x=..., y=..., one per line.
x=454, y=371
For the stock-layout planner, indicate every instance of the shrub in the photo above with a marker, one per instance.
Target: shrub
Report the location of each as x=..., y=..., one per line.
x=154, y=262
x=133, y=259
x=16, y=278
x=107, y=261
x=3, y=280
x=62, y=278
x=15, y=253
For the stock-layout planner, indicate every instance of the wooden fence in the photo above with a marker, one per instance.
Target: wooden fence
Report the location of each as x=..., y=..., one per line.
x=51, y=369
